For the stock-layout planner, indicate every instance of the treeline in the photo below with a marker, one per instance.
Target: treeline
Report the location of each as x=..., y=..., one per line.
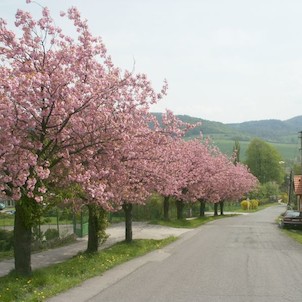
x=76, y=129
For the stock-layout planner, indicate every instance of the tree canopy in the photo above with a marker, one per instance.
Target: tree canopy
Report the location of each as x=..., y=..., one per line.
x=69, y=117
x=264, y=161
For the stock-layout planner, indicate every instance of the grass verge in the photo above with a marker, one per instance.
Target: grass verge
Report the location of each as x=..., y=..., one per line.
x=49, y=281
x=296, y=234
x=189, y=223
x=6, y=255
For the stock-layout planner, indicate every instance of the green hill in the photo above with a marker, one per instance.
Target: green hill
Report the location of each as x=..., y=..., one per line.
x=283, y=135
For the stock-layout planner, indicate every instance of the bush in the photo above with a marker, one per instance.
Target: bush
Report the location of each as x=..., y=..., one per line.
x=250, y=204
x=245, y=204
x=51, y=234
x=151, y=210
x=6, y=240
x=66, y=214
x=284, y=197
x=254, y=204
x=53, y=243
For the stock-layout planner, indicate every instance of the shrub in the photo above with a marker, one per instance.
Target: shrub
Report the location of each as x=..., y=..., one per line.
x=245, y=204
x=284, y=197
x=254, y=204
x=51, y=234
x=6, y=240
x=249, y=204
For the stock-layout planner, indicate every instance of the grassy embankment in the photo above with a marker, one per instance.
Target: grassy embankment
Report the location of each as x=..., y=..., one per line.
x=198, y=221
x=49, y=281
x=296, y=234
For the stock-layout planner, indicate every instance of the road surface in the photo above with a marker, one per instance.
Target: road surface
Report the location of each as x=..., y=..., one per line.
x=238, y=259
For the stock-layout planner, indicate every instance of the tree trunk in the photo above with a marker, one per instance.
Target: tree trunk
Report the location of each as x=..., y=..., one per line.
x=202, y=207
x=221, y=204
x=97, y=225
x=166, y=207
x=127, y=207
x=93, y=230
x=22, y=239
x=179, y=206
x=215, y=209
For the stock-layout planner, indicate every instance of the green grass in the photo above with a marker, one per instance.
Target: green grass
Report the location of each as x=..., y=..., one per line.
x=188, y=223
x=6, y=255
x=288, y=151
x=8, y=220
x=296, y=234
x=49, y=281
x=194, y=223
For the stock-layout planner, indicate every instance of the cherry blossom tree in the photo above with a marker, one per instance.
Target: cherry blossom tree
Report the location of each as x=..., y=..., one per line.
x=58, y=99
x=171, y=169
x=221, y=180
x=182, y=167
x=209, y=175
x=142, y=160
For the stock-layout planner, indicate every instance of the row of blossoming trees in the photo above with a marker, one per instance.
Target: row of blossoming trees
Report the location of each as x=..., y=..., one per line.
x=70, y=118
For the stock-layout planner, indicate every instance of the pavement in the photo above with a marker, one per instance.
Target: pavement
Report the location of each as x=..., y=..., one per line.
x=227, y=260
x=116, y=232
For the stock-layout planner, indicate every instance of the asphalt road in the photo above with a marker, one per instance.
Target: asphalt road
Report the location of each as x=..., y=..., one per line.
x=239, y=259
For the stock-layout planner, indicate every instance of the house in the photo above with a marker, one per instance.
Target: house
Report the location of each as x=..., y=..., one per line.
x=6, y=200
x=298, y=190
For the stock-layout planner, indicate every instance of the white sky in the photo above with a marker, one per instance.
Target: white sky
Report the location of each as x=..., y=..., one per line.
x=225, y=60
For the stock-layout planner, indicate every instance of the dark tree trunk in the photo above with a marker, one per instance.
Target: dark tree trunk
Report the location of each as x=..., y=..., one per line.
x=97, y=225
x=22, y=240
x=221, y=204
x=127, y=207
x=180, y=207
x=166, y=207
x=93, y=230
x=202, y=207
x=215, y=209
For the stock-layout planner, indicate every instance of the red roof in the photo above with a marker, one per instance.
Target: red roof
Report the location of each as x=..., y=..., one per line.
x=298, y=184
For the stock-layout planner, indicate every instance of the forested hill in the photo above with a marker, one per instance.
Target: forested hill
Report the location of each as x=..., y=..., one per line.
x=275, y=131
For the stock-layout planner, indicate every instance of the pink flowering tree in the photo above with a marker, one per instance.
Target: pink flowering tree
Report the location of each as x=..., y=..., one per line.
x=142, y=158
x=222, y=180
x=47, y=88
x=170, y=171
x=59, y=97
x=117, y=174
x=211, y=176
x=172, y=168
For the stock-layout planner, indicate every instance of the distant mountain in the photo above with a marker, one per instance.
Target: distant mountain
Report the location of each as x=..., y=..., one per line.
x=295, y=123
x=272, y=130
x=207, y=128
x=282, y=134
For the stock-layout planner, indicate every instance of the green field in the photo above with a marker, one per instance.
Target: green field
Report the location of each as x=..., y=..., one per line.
x=289, y=152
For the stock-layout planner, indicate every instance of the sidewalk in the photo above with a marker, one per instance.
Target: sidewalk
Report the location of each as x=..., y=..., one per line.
x=116, y=232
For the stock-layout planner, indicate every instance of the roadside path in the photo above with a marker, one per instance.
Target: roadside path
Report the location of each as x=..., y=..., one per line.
x=116, y=232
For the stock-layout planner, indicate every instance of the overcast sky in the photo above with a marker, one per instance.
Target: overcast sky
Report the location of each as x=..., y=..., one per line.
x=224, y=60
